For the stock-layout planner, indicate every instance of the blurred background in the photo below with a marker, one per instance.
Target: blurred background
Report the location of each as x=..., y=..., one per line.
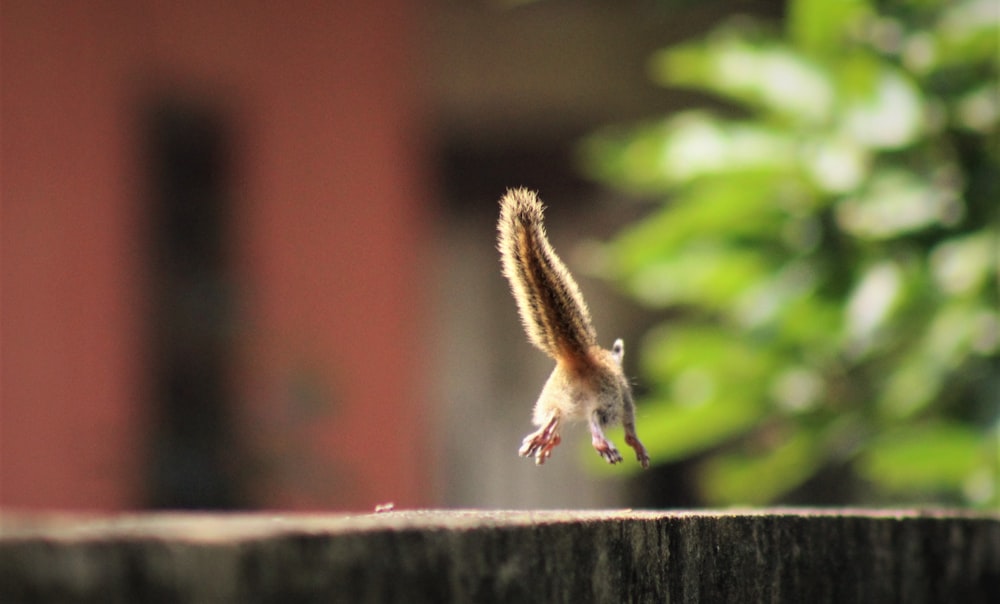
x=248, y=250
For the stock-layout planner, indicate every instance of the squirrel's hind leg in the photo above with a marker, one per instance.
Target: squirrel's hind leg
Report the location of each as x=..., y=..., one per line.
x=631, y=438
x=602, y=445
x=541, y=442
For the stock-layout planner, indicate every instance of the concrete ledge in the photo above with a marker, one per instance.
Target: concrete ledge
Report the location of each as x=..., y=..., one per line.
x=808, y=556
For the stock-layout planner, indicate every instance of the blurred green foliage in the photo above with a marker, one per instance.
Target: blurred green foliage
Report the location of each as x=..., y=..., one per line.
x=826, y=251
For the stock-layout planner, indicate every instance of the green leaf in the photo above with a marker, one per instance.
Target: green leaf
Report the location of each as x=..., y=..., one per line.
x=945, y=344
x=768, y=76
x=744, y=206
x=736, y=479
x=895, y=203
x=967, y=33
x=881, y=106
x=673, y=431
x=692, y=145
x=631, y=159
x=695, y=358
x=711, y=274
x=813, y=323
x=821, y=27
x=961, y=266
x=929, y=457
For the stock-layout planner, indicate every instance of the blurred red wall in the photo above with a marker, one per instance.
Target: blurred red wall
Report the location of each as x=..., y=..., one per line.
x=329, y=220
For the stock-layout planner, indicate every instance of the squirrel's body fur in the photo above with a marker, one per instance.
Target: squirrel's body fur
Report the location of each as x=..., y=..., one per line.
x=588, y=381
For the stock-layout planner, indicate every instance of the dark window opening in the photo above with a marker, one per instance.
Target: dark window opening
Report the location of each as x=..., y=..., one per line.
x=193, y=461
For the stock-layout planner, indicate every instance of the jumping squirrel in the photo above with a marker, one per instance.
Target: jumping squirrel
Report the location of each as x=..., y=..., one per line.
x=588, y=381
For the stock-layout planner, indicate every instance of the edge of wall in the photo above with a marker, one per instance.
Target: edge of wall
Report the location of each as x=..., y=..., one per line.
x=786, y=555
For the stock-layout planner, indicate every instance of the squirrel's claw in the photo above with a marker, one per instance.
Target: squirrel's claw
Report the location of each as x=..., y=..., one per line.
x=608, y=451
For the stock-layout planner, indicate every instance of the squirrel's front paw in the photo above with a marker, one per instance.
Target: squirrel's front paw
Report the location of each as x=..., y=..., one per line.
x=541, y=442
x=540, y=445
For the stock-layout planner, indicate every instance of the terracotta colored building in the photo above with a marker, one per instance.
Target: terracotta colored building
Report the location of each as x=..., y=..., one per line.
x=213, y=223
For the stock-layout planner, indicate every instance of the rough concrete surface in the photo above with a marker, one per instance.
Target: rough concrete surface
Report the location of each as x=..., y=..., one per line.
x=809, y=556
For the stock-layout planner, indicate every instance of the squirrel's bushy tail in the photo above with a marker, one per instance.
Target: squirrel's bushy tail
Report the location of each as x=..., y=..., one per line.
x=552, y=309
